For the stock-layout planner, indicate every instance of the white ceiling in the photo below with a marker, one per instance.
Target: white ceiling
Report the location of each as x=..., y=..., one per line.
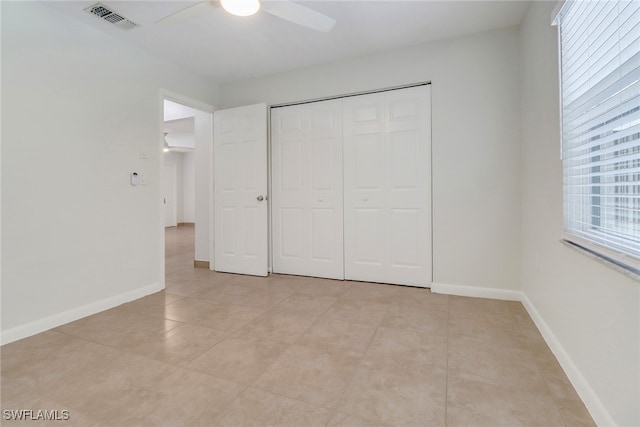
x=228, y=48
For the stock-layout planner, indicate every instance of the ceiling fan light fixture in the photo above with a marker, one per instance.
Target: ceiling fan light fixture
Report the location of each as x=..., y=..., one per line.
x=241, y=7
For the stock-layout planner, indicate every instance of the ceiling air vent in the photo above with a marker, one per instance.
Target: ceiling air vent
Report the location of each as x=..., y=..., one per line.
x=102, y=11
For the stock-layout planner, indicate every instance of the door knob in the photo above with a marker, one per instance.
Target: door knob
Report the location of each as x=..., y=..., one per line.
x=260, y=198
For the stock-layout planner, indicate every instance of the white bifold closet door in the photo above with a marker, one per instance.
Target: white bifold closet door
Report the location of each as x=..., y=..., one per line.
x=387, y=187
x=352, y=188
x=307, y=189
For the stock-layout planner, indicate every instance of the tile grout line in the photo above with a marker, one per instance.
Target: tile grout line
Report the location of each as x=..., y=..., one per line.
x=446, y=385
x=544, y=378
x=123, y=352
x=248, y=385
x=350, y=382
x=318, y=319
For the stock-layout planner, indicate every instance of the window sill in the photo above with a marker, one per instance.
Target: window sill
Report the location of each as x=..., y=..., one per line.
x=620, y=268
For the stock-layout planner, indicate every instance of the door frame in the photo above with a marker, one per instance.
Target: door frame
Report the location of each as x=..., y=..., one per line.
x=164, y=94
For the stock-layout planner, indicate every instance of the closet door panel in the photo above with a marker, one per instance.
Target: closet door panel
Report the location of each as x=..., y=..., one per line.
x=323, y=223
x=364, y=187
x=290, y=239
x=291, y=165
x=387, y=162
x=404, y=241
x=368, y=235
x=409, y=185
x=307, y=180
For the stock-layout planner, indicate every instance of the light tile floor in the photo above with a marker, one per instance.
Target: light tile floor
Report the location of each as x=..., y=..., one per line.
x=227, y=350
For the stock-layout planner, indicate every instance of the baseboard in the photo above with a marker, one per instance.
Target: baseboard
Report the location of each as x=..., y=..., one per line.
x=41, y=325
x=201, y=264
x=186, y=224
x=476, y=292
x=594, y=405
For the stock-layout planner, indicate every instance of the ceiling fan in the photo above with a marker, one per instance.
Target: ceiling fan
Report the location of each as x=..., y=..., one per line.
x=285, y=9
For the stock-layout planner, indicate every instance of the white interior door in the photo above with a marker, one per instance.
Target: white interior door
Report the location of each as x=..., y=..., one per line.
x=240, y=189
x=169, y=190
x=387, y=192
x=307, y=189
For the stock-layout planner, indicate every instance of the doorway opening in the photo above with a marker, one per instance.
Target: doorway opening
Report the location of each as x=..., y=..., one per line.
x=186, y=165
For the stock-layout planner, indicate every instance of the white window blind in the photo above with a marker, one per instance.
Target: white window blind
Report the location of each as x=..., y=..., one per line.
x=600, y=73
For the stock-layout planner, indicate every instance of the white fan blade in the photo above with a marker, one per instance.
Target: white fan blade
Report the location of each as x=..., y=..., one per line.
x=185, y=14
x=299, y=14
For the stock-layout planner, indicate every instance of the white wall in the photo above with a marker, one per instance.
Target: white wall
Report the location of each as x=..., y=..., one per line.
x=591, y=310
x=188, y=187
x=79, y=107
x=203, y=175
x=177, y=160
x=476, y=150
x=185, y=184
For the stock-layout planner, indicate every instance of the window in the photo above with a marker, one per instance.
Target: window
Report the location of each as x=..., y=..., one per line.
x=600, y=94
